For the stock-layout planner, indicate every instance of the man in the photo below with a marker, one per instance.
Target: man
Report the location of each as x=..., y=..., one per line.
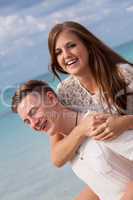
x=39, y=107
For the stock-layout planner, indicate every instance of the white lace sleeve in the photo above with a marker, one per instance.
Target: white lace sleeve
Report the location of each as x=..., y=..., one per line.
x=64, y=91
x=127, y=71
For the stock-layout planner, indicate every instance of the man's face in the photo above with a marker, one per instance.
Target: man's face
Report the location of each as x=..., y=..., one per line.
x=38, y=112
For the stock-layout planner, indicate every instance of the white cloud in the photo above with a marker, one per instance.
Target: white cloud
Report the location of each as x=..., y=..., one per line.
x=3, y=52
x=130, y=8
x=84, y=11
x=15, y=26
x=27, y=31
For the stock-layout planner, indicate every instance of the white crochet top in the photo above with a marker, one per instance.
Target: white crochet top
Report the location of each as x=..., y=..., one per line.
x=73, y=94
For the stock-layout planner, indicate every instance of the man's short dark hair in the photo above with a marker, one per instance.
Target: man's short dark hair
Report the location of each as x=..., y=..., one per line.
x=27, y=88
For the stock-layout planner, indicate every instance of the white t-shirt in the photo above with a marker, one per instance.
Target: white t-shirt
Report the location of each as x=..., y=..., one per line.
x=107, y=167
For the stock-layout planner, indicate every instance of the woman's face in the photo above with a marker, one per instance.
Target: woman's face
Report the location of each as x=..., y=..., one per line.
x=71, y=53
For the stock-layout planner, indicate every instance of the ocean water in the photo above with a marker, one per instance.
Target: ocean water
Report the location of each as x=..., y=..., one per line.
x=26, y=171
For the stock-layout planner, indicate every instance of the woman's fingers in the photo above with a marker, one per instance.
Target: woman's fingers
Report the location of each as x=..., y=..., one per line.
x=106, y=136
x=102, y=116
x=99, y=130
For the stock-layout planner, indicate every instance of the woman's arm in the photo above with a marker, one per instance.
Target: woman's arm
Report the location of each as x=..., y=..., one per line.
x=87, y=194
x=113, y=127
x=63, y=148
x=130, y=121
x=118, y=126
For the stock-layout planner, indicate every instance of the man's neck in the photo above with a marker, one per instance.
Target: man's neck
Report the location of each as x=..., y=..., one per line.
x=69, y=120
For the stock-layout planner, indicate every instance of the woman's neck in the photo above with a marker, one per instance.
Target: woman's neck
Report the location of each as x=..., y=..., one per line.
x=88, y=82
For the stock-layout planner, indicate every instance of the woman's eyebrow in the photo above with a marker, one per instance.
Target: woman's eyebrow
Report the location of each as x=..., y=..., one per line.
x=58, y=49
x=67, y=43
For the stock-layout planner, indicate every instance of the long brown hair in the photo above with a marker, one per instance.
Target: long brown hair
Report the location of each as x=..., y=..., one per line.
x=103, y=62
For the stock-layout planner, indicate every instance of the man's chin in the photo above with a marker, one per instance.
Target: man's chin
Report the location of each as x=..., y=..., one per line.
x=51, y=131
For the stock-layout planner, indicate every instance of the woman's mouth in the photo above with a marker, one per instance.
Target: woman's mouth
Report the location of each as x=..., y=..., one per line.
x=71, y=62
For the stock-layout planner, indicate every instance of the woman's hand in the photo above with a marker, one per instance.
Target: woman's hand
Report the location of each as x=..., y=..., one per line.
x=91, y=122
x=112, y=128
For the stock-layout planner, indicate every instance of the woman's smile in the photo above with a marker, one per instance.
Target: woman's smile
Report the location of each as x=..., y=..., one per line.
x=71, y=53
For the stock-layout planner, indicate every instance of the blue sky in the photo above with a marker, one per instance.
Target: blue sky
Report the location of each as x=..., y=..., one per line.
x=24, y=27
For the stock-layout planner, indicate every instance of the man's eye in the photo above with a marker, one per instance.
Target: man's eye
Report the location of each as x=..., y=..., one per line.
x=27, y=122
x=33, y=111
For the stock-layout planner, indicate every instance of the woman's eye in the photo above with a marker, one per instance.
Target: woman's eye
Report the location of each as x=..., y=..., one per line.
x=57, y=52
x=71, y=45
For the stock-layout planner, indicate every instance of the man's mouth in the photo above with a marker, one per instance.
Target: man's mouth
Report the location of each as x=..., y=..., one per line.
x=44, y=124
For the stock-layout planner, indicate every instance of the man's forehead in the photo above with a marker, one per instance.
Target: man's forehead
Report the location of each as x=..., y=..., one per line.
x=32, y=98
x=29, y=101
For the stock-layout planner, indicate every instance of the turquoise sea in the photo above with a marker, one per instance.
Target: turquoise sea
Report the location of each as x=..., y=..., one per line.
x=26, y=172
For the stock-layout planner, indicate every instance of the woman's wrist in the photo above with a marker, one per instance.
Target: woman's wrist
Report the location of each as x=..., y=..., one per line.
x=129, y=121
x=80, y=132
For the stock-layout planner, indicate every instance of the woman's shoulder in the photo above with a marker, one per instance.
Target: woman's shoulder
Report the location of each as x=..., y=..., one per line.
x=127, y=71
x=68, y=83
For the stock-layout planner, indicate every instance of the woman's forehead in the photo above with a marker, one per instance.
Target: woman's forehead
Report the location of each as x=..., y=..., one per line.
x=66, y=36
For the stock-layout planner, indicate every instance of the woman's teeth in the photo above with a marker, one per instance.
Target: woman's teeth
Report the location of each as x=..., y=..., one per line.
x=71, y=62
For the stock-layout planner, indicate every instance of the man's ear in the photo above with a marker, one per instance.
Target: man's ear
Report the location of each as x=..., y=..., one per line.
x=51, y=97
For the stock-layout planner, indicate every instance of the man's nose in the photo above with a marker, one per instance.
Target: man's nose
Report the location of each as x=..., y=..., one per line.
x=34, y=123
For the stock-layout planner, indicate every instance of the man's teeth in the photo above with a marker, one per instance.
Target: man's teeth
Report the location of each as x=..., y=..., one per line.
x=43, y=125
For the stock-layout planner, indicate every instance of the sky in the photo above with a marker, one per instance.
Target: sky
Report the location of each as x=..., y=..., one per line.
x=24, y=27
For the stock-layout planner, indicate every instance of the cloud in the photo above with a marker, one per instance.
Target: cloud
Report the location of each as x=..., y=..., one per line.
x=82, y=12
x=130, y=8
x=7, y=7
x=15, y=26
x=23, y=34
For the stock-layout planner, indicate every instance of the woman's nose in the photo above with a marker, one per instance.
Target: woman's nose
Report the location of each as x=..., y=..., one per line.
x=66, y=53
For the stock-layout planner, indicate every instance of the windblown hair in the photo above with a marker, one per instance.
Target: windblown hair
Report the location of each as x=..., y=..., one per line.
x=103, y=63
x=27, y=88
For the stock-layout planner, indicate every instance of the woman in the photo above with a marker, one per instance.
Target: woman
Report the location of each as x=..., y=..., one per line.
x=97, y=82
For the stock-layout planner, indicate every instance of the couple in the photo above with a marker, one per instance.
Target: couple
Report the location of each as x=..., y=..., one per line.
x=95, y=83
